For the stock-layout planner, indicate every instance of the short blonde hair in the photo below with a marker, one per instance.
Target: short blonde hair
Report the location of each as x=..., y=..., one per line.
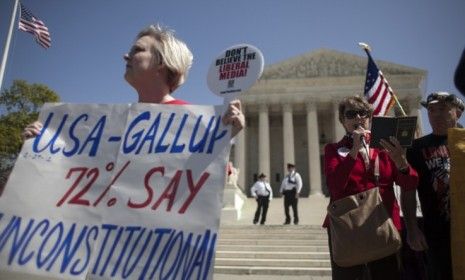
x=171, y=52
x=356, y=102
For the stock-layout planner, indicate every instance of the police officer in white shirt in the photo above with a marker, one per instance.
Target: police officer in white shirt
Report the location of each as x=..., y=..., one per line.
x=262, y=192
x=290, y=188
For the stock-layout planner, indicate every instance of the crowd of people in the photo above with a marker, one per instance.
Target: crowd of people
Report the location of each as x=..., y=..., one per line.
x=352, y=166
x=158, y=63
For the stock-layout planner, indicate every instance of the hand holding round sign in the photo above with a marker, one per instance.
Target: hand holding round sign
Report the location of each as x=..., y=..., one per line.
x=235, y=70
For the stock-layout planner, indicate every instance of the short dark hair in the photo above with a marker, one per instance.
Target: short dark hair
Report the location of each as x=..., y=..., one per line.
x=356, y=102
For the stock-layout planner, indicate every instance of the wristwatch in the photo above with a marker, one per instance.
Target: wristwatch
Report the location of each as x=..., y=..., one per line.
x=404, y=170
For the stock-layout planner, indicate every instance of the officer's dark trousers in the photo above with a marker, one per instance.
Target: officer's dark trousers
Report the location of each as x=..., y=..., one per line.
x=262, y=207
x=290, y=200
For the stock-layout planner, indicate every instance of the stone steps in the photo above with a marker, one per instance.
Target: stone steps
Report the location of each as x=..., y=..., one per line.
x=288, y=242
x=310, y=271
x=296, y=263
x=272, y=250
x=276, y=228
x=272, y=255
x=274, y=236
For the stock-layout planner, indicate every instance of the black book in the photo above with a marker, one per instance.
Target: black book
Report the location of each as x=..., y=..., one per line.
x=403, y=128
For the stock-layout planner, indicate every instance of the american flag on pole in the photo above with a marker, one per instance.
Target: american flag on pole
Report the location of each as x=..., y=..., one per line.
x=31, y=24
x=377, y=90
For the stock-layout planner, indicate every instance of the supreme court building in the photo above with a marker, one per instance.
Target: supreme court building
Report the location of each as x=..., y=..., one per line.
x=292, y=112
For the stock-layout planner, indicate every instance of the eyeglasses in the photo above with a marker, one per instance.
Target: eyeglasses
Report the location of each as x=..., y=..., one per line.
x=352, y=114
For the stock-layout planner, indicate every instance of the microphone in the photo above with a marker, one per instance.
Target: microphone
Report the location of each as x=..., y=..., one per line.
x=362, y=137
x=366, y=152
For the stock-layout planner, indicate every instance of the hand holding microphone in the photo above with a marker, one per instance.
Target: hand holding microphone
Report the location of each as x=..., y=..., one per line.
x=358, y=138
x=359, y=134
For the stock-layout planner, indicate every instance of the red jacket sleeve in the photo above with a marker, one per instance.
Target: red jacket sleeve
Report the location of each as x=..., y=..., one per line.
x=337, y=170
x=407, y=181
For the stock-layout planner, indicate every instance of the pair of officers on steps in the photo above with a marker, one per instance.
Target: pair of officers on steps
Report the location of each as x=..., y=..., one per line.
x=290, y=188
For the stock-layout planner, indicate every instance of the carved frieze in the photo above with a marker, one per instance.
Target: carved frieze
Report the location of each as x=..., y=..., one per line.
x=329, y=63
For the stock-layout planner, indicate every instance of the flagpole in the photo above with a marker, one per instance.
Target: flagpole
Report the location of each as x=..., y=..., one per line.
x=397, y=102
x=367, y=49
x=6, y=49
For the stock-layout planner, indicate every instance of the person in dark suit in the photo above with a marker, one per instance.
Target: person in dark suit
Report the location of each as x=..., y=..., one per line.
x=290, y=188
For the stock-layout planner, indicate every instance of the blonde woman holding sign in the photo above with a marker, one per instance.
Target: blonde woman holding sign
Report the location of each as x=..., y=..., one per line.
x=156, y=65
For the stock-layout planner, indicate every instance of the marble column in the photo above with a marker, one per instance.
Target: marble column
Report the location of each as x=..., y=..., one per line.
x=419, y=124
x=263, y=140
x=339, y=130
x=288, y=136
x=239, y=158
x=313, y=138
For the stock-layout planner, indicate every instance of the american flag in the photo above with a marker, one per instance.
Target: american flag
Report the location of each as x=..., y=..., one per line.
x=31, y=24
x=377, y=90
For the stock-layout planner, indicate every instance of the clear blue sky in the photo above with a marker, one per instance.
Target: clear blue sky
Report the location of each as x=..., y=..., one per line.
x=89, y=37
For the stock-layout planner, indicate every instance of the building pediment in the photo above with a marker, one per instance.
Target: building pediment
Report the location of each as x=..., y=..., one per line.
x=330, y=63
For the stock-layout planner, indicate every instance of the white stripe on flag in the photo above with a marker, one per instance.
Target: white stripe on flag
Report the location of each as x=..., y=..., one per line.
x=380, y=94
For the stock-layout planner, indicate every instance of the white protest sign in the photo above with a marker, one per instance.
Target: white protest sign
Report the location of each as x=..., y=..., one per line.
x=235, y=70
x=116, y=192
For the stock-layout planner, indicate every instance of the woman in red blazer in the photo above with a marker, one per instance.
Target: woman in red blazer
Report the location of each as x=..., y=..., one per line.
x=349, y=169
